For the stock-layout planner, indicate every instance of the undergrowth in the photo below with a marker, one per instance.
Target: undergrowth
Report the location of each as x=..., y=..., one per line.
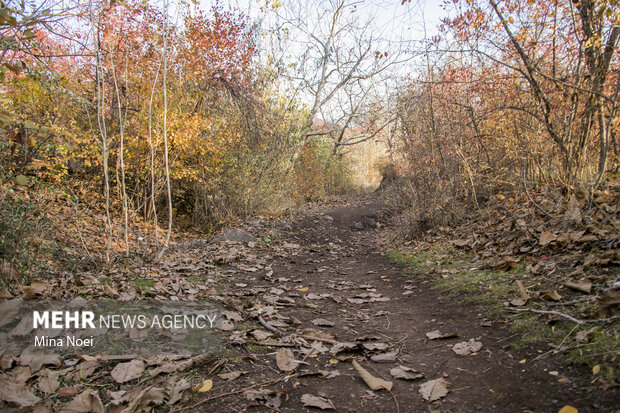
x=453, y=272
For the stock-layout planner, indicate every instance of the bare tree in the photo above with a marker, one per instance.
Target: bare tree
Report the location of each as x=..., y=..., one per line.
x=165, y=130
x=339, y=59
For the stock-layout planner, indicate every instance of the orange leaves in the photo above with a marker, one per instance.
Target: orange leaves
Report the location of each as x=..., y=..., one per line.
x=222, y=46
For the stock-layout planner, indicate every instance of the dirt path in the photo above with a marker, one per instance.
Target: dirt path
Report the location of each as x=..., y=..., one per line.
x=331, y=267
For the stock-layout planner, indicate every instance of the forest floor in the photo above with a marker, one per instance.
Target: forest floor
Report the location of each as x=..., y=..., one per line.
x=334, y=269
x=315, y=297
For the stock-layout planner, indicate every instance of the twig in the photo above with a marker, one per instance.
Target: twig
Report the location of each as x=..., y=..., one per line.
x=269, y=326
x=438, y=367
x=77, y=226
x=232, y=393
x=395, y=401
x=577, y=301
x=566, y=316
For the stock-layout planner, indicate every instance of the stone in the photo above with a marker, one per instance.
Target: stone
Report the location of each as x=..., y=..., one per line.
x=235, y=234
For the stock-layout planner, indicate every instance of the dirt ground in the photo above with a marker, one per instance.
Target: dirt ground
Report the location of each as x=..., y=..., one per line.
x=335, y=270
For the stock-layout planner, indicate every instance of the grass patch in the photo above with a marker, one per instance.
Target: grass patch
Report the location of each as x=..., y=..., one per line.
x=257, y=348
x=453, y=272
x=223, y=286
x=144, y=283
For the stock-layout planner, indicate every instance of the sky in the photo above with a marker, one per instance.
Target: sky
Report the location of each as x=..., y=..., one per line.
x=395, y=18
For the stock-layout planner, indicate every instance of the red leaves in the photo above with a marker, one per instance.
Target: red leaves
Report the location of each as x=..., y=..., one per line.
x=221, y=46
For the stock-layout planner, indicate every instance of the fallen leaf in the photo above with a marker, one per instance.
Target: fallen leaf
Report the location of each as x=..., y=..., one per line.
x=315, y=401
x=434, y=389
x=375, y=346
x=8, y=310
x=596, y=369
x=151, y=396
x=323, y=322
x=546, y=238
x=86, y=402
x=66, y=392
x=583, y=286
x=35, y=289
x=373, y=382
x=206, y=386
x=405, y=373
x=36, y=361
x=465, y=348
x=551, y=295
x=435, y=334
x=384, y=357
x=124, y=372
x=17, y=393
x=261, y=335
x=269, y=398
x=48, y=381
x=568, y=409
x=175, y=388
x=231, y=375
x=285, y=360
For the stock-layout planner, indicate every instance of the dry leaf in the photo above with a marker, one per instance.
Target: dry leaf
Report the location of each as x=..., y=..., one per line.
x=373, y=382
x=124, y=372
x=551, y=295
x=269, y=398
x=232, y=375
x=434, y=389
x=323, y=322
x=86, y=402
x=465, y=348
x=384, y=357
x=175, y=388
x=583, y=286
x=17, y=393
x=142, y=402
x=261, y=335
x=375, y=346
x=8, y=310
x=36, y=361
x=522, y=291
x=546, y=238
x=405, y=373
x=315, y=401
x=206, y=386
x=48, y=381
x=285, y=360
x=36, y=288
x=435, y=334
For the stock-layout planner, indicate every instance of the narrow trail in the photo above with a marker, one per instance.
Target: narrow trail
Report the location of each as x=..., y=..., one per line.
x=370, y=299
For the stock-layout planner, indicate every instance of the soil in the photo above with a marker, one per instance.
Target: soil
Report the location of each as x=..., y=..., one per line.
x=341, y=254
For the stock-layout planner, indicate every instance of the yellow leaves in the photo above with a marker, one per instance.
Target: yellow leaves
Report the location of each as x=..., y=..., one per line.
x=206, y=386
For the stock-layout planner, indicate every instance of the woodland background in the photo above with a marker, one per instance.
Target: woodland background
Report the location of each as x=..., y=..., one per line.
x=143, y=117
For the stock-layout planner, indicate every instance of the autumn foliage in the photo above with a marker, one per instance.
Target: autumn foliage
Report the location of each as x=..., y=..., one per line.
x=526, y=97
